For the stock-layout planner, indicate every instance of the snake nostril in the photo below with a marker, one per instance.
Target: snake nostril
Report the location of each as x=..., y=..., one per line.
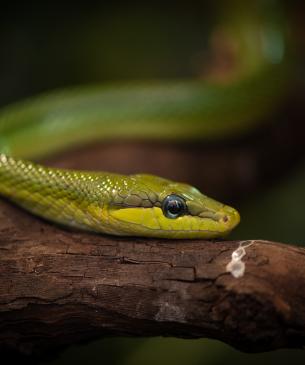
x=225, y=218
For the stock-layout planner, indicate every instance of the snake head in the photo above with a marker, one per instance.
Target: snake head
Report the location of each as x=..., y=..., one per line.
x=155, y=207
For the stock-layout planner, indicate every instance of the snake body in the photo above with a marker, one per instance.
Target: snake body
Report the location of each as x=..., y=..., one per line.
x=138, y=205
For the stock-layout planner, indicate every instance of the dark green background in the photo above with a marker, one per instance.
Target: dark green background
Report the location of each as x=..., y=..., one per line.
x=49, y=44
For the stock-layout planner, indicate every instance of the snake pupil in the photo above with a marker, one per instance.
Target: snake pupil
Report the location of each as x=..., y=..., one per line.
x=173, y=206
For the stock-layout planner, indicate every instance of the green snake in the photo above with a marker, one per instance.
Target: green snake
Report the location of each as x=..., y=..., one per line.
x=141, y=204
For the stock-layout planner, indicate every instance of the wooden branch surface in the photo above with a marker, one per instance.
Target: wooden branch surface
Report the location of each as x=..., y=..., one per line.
x=59, y=287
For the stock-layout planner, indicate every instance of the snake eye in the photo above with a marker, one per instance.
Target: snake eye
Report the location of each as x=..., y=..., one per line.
x=173, y=206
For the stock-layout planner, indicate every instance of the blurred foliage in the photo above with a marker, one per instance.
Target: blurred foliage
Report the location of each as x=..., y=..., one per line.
x=169, y=351
x=276, y=213
x=49, y=44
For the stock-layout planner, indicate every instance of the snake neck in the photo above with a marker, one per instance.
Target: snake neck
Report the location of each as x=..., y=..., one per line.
x=71, y=198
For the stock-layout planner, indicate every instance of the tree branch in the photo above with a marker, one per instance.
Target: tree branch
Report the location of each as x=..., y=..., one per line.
x=59, y=287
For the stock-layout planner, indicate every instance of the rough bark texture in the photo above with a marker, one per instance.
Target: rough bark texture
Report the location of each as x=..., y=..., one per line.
x=58, y=287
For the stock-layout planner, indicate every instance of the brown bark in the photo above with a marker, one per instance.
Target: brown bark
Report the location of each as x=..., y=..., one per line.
x=59, y=287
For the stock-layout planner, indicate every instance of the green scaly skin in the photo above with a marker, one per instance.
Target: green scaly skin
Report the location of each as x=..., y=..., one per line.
x=111, y=203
